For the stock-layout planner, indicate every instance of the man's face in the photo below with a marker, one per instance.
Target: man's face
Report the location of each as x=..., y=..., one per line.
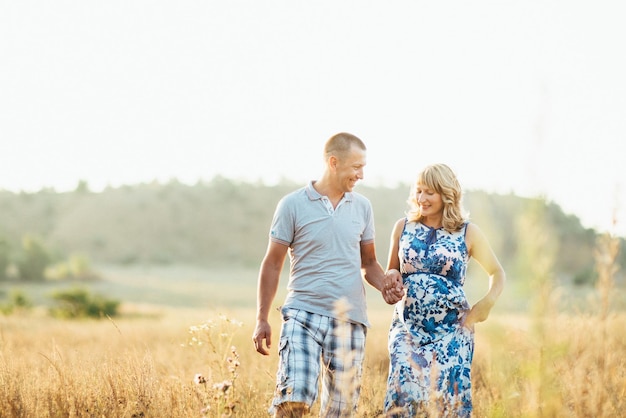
x=350, y=168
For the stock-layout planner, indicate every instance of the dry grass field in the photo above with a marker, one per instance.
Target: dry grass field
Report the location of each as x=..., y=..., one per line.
x=147, y=362
x=544, y=352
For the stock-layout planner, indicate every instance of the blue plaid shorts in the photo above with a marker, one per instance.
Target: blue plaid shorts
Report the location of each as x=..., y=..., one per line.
x=311, y=344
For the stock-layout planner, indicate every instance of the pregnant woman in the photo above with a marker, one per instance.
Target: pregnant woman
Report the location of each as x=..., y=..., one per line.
x=431, y=338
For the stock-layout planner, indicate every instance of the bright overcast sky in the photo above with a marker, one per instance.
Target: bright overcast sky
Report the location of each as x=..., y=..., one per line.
x=521, y=96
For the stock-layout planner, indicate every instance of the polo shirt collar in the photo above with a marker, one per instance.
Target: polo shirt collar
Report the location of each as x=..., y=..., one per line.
x=315, y=195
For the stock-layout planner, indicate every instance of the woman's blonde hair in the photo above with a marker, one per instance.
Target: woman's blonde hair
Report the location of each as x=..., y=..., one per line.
x=440, y=178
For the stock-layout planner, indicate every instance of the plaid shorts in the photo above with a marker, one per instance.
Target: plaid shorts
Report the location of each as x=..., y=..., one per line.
x=310, y=344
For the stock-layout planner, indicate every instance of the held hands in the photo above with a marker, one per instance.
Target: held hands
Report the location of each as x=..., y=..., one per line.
x=392, y=290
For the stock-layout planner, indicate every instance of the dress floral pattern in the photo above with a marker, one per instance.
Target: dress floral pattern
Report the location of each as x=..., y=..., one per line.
x=430, y=352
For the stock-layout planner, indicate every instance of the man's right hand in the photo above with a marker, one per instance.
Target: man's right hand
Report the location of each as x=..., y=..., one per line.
x=262, y=333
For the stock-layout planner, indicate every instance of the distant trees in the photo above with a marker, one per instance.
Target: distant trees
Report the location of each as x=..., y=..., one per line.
x=82, y=187
x=34, y=262
x=226, y=222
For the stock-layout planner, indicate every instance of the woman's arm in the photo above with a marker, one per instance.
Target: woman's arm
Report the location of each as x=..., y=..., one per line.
x=480, y=250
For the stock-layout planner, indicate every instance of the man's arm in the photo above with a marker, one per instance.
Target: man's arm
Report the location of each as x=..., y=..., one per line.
x=269, y=277
x=375, y=276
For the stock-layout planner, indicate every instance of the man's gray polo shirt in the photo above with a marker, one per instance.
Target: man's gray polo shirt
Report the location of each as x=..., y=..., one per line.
x=324, y=250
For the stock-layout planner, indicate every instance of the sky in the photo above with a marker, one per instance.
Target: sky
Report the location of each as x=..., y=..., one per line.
x=524, y=97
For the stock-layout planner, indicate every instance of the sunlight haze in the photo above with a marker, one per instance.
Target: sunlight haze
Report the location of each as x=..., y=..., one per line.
x=521, y=97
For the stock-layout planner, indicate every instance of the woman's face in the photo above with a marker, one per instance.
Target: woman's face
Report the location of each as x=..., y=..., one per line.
x=428, y=200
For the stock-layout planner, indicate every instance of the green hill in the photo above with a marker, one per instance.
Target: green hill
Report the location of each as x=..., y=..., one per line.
x=225, y=223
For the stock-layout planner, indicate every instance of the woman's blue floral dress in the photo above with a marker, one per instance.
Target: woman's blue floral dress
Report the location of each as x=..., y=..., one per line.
x=430, y=352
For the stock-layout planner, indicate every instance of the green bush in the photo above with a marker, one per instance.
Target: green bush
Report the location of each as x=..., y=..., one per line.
x=76, y=267
x=18, y=301
x=5, y=257
x=586, y=277
x=80, y=303
x=34, y=260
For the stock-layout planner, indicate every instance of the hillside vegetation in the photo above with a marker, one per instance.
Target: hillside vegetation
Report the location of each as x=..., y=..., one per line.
x=225, y=222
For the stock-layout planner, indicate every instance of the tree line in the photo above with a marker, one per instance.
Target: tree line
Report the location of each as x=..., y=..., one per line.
x=226, y=222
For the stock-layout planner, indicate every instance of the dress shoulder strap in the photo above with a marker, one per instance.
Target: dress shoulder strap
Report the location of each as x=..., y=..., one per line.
x=406, y=220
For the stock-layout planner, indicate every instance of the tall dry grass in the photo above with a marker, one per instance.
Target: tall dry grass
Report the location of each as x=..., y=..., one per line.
x=134, y=367
x=146, y=367
x=552, y=361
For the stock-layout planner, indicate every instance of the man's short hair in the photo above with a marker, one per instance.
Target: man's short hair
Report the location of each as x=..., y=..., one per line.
x=341, y=143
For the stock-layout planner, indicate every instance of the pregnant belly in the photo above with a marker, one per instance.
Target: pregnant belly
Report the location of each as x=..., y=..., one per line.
x=432, y=307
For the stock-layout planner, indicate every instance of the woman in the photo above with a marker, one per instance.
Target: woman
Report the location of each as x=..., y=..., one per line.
x=431, y=338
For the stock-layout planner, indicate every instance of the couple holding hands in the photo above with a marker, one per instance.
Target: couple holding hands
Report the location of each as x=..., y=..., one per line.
x=328, y=231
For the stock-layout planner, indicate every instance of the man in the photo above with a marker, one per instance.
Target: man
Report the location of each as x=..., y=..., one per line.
x=329, y=232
